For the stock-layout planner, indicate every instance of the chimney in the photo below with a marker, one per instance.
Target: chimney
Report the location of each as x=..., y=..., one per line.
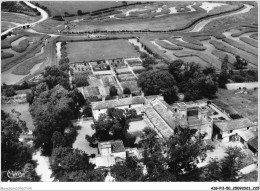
x=131, y=96
x=142, y=94
x=116, y=97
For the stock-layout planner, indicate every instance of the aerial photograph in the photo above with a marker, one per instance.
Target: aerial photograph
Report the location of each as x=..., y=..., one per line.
x=129, y=91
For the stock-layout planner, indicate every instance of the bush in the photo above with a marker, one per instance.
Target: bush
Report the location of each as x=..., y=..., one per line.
x=126, y=90
x=186, y=45
x=167, y=45
x=235, y=116
x=113, y=91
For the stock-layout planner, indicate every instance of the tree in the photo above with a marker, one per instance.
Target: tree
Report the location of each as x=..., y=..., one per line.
x=87, y=110
x=153, y=157
x=112, y=125
x=54, y=76
x=223, y=79
x=240, y=63
x=9, y=91
x=112, y=91
x=148, y=61
x=175, y=68
x=14, y=155
x=231, y=164
x=171, y=95
x=57, y=139
x=126, y=90
x=186, y=148
x=81, y=81
x=52, y=111
x=67, y=162
x=224, y=66
x=213, y=171
x=154, y=82
x=128, y=171
x=79, y=12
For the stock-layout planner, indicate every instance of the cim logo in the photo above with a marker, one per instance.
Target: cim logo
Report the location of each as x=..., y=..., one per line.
x=15, y=174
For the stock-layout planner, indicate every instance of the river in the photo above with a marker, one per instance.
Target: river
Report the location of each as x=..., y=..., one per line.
x=199, y=26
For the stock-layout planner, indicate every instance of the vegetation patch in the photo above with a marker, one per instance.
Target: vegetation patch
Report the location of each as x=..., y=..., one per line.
x=6, y=43
x=243, y=31
x=221, y=55
x=240, y=46
x=5, y=55
x=192, y=40
x=186, y=45
x=244, y=76
x=167, y=45
x=100, y=50
x=249, y=41
x=22, y=46
x=202, y=56
x=26, y=66
x=221, y=46
x=152, y=49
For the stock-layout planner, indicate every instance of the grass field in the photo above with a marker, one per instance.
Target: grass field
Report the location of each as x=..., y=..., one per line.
x=226, y=48
x=9, y=20
x=243, y=104
x=100, y=50
x=249, y=41
x=59, y=7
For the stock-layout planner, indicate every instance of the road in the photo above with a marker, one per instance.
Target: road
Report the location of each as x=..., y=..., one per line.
x=44, y=16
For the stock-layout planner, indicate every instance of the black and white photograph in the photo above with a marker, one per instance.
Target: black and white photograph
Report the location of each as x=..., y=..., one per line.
x=158, y=95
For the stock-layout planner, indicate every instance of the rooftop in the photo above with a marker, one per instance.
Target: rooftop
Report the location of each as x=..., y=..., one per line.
x=234, y=124
x=118, y=102
x=165, y=130
x=254, y=142
x=116, y=146
x=248, y=134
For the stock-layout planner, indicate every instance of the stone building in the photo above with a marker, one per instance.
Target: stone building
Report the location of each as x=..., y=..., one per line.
x=163, y=118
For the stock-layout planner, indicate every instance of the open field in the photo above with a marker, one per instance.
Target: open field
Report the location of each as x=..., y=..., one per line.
x=100, y=50
x=17, y=18
x=60, y=7
x=243, y=104
x=227, y=48
x=241, y=46
x=249, y=41
x=7, y=25
x=254, y=36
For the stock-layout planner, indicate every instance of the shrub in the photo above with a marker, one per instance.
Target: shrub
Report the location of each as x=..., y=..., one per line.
x=126, y=90
x=81, y=80
x=187, y=45
x=113, y=91
x=167, y=45
x=240, y=46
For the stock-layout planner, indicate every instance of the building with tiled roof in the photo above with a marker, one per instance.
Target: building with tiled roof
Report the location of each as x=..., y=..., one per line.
x=235, y=124
x=164, y=118
x=110, y=152
x=253, y=145
x=120, y=103
x=232, y=130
